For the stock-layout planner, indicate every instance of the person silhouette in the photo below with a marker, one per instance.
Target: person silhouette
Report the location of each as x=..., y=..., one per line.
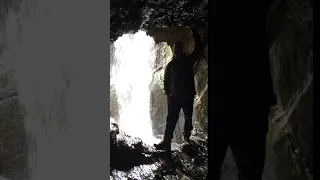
x=180, y=90
x=242, y=91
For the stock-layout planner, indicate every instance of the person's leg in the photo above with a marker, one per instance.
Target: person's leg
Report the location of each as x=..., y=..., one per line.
x=174, y=108
x=218, y=147
x=187, y=107
x=248, y=143
x=219, y=142
x=249, y=154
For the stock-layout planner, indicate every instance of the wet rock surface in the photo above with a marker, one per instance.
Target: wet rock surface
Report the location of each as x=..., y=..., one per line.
x=132, y=159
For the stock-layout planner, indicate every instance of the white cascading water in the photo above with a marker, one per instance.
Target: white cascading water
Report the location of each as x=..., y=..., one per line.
x=61, y=69
x=131, y=76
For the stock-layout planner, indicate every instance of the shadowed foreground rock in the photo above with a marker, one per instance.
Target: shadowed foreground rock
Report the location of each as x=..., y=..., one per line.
x=132, y=159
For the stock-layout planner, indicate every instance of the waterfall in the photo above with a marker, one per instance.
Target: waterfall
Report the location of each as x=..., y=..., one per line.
x=132, y=75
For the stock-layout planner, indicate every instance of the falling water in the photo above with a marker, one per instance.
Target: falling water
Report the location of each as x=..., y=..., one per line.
x=132, y=76
x=61, y=69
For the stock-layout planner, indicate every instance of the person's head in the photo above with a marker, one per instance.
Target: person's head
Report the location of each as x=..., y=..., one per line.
x=178, y=48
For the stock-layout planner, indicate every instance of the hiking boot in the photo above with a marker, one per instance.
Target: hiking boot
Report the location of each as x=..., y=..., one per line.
x=163, y=145
x=186, y=139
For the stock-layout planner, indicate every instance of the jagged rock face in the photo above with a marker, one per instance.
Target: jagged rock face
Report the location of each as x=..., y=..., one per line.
x=148, y=14
x=290, y=26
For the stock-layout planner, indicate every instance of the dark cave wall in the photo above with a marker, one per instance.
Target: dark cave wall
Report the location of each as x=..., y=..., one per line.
x=290, y=27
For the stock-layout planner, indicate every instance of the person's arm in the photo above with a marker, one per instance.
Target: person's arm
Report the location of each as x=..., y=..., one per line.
x=198, y=51
x=273, y=98
x=198, y=46
x=167, y=79
x=272, y=94
x=269, y=3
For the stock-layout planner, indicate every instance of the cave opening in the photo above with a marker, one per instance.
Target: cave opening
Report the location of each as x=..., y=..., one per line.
x=137, y=100
x=132, y=80
x=138, y=105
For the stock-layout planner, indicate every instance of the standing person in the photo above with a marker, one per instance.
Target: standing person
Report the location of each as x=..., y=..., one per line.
x=180, y=90
x=242, y=91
